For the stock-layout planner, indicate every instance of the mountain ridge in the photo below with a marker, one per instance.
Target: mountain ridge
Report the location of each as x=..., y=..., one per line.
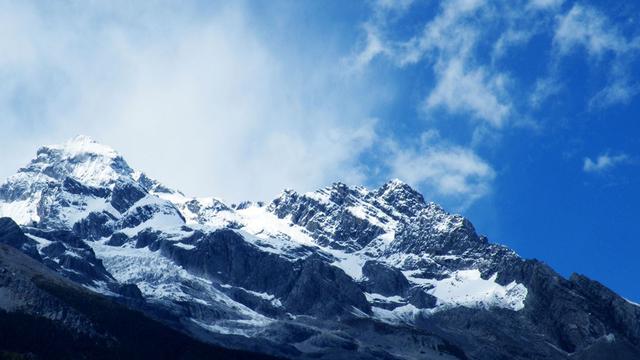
x=289, y=274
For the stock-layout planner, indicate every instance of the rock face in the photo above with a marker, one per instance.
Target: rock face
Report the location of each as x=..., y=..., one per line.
x=12, y=235
x=384, y=280
x=336, y=273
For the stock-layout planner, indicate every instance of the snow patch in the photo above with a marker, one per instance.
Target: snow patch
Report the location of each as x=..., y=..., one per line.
x=373, y=297
x=185, y=246
x=403, y=314
x=42, y=242
x=260, y=222
x=23, y=212
x=242, y=327
x=82, y=207
x=351, y=264
x=467, y=288
x=165, y=217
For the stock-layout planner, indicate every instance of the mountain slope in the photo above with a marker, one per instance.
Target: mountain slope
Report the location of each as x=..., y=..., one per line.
x=35, y=301
x=339, y=272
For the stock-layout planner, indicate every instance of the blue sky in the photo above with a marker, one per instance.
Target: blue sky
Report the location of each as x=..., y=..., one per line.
x=521, y=115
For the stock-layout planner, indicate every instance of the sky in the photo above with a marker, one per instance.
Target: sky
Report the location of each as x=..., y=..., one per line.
x=521, y=115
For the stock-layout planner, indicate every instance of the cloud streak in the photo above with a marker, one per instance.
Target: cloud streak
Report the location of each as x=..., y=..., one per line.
x=443, y=169
x=584, y=27
x=603, y=163
x=588, y=28
x=447, y=44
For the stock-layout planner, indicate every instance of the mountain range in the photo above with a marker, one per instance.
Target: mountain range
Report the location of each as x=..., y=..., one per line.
x=114, y=264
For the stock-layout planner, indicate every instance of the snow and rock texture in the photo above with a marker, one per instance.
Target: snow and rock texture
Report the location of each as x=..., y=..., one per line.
x=47, y=316
x=338, y=272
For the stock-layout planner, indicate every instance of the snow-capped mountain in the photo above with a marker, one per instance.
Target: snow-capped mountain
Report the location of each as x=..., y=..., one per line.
x=339, y=272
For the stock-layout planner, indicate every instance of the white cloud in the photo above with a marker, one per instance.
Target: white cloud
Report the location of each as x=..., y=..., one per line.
x=453, y=45
x=461, y=86
x=373, y=47
x=443, y=169
x=545, y=4
x=450, y=34
x=398, y=5
x=620, y=91
x=462, y=91
x=202, y=100
x=544, y=89
x=447, y=43
x=586, y=27
x=509, y=38
x=603, y=162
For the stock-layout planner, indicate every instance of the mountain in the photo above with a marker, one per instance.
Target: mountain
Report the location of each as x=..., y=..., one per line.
x=46, y=315
x=342, y=272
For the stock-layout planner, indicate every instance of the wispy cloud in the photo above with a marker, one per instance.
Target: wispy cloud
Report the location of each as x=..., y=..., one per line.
x=443, y=169
x=398, y=5
x=452, y=41
x=587, y=27
x=474, y=92
x=545, y=4
x=462, y=86
x=620, y=91
x=584, y=27
x=446, y=43
x=604, y=162
x=373, y=46
x=201, y=100
x=543, y=89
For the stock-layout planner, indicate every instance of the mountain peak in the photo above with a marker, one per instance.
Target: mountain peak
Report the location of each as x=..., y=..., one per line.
x=402, y=196
x=82, y=158
x=395, y=185
x=83, y=144
x=396, y=182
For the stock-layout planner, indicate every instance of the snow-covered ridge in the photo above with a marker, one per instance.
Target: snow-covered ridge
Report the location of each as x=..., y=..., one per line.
x=88, y=188
x=297, y=266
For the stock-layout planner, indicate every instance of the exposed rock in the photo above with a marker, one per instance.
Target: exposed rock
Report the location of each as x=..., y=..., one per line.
x=383, y=279
x=11, y=234
x=125, y=194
